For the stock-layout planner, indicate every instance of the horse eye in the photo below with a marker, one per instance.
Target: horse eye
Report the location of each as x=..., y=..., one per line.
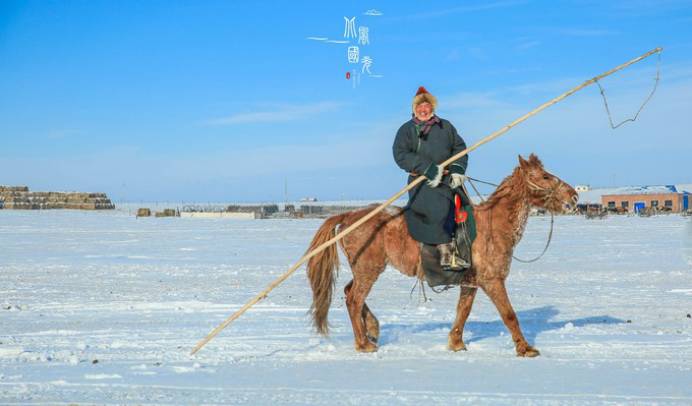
x=546, y=177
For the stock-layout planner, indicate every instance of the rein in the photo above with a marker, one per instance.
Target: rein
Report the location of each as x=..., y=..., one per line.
x=548, y=197
x=547, y=243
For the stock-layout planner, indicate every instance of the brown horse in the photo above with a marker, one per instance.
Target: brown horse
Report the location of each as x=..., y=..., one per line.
x=384, y=239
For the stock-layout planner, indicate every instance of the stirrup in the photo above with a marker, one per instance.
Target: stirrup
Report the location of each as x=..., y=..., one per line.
x=457, y=264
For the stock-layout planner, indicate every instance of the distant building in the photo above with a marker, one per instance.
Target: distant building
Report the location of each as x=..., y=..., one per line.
x=639, y=198
x=582, y=188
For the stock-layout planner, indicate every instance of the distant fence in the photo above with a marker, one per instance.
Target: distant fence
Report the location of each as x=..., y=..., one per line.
x=264, y=211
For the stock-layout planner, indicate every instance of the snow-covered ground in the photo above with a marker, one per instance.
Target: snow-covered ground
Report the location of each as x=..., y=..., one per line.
x=104, y=308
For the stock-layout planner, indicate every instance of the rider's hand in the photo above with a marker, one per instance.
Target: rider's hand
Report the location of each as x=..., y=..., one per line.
x=457, y=180
x=434, y=175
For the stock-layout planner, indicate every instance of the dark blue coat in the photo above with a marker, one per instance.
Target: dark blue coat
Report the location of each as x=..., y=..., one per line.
x=429, y=214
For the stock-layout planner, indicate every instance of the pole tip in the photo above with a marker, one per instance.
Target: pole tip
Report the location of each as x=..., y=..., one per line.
x=197, y=348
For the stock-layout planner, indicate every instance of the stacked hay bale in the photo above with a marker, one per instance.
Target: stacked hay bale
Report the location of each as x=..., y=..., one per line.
x=19, y=197
x=4, y=189
x=167, y=213
x=13, y=197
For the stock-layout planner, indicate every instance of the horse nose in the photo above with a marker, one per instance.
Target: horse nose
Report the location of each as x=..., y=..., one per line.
x=572, y=205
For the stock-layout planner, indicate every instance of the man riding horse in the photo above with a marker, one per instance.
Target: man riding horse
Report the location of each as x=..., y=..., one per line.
x=420, y=145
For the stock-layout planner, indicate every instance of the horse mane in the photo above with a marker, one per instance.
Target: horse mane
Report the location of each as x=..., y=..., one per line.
x=513, y=186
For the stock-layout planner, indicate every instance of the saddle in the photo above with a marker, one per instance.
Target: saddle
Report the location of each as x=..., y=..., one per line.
x=464, y=234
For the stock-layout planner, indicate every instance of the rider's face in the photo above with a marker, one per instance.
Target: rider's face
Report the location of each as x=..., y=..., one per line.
x=424, y=111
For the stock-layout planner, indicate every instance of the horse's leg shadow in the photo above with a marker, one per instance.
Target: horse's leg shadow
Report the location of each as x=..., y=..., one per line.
x=534, y=321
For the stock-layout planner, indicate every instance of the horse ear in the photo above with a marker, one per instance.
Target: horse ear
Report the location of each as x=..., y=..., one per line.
x=533, y=159
x=522, y=162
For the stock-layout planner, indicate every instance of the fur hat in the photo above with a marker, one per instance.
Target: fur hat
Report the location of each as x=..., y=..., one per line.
x=423, y=96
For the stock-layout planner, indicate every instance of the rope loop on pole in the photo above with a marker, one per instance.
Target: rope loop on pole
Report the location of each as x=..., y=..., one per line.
x=636, y=115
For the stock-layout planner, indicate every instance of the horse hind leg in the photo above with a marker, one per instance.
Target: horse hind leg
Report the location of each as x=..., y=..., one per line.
x=356, y=291
x=372, y=325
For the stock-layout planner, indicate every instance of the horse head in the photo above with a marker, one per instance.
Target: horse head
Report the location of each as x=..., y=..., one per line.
x=546, y=190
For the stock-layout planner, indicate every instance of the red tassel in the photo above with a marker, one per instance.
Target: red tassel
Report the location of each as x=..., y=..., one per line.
x=460, y=215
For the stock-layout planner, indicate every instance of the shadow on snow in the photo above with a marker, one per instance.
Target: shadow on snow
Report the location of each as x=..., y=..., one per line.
x=532, y=321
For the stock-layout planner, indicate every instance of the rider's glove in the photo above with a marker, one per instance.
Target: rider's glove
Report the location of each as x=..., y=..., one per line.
x=434, y=175
x=457, y=171
x=457, y=180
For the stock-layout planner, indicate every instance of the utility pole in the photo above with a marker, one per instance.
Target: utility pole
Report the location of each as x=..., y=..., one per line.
x=285, y=192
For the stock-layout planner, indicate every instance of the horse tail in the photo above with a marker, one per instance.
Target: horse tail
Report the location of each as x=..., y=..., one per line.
x=321, y=271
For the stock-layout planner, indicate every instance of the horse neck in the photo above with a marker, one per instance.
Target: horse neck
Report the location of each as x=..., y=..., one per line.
x=509, y=204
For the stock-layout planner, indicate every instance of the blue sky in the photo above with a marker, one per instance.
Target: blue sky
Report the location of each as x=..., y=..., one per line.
x=229, y=101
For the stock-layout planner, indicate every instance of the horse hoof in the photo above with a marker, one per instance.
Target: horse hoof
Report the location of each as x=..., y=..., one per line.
x=530, y=352
x=369, y=347
x=456, y=346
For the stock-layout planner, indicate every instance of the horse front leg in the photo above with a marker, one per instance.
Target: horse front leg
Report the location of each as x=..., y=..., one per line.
x=466, y=296
x=497, y=292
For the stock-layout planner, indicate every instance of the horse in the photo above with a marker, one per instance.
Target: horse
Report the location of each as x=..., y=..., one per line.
x=384, y=240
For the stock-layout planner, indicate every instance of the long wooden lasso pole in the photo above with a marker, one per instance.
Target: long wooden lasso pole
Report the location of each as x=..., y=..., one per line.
x=410, y=186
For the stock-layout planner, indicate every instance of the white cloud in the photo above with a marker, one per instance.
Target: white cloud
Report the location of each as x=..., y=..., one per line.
x=278, y=114
x=472, y=101
x=648, y=8
x=454, y=55
x=477, y=53
x=327, y=40
x=460, y=9
x=62, y=134
x=373, y=12
x=526, y=45
x=586, y=32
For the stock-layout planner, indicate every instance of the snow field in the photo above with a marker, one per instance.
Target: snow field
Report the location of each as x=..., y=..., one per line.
x=104, y=308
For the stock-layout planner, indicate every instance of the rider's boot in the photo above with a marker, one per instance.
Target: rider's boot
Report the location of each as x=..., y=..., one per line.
x=450, y=259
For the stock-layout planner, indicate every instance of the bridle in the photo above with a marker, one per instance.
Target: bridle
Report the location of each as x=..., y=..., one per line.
x=548, y=193
x=548, y=197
